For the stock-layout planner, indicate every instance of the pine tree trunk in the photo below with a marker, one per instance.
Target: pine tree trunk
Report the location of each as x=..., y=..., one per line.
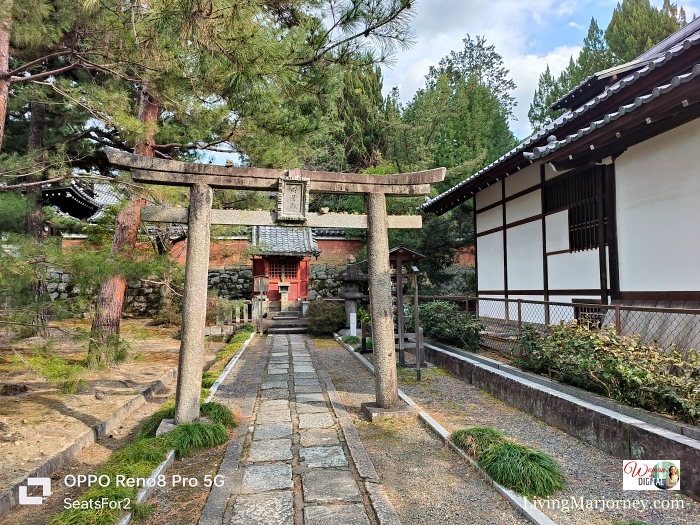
x=104, y=334
x=4, y=65
x=34, y=222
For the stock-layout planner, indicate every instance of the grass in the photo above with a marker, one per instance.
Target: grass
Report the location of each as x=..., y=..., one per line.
x=208, y=379
x=66, y=377
x=140, y=458
x=351, y=339
x=527, y=471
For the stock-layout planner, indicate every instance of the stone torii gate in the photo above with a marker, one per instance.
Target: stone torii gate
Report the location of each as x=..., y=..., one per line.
x=293, y=187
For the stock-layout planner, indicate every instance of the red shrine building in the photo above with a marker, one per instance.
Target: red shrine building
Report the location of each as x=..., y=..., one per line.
x=283, y=255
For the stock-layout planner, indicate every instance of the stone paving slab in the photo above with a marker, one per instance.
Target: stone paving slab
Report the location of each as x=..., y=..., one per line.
x=330, y=486
x=259, y=478
x=274, y=384
x=306, y=381
x=310, y=398
x=305, y=408
x=354, y=514
x=293, y=466
x=277, y=416
x=319, y=437
x=274, y=431
x=270, y=450
x=275, y=393
x=323, y=457
x=278, y=404
x=264, y=509
x=308, y=389
x=315, y=420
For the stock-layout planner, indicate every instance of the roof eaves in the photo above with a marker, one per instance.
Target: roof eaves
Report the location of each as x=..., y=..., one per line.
x=569, y=116
x=657, y=92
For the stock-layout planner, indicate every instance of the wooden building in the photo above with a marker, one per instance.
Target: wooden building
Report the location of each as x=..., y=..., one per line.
x=283, y=255
x=604, y=203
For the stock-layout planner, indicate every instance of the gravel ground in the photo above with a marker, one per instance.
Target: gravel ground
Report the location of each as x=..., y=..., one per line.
x=589, y=473
x=425, y=481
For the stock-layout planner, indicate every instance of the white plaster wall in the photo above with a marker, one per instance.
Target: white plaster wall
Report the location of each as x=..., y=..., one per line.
x=549, y=173
x=574, y=270
x=658, y=212
x=489, y=219
x=524, y=244
x=523, y=179
x=489, y=252
x=524, y=207
x=557, y=226
x=489, y=195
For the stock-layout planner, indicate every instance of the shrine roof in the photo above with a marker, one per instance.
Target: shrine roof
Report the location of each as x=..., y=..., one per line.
x=284, y=240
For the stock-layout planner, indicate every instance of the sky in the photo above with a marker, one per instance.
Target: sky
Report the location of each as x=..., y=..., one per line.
x=528, y=34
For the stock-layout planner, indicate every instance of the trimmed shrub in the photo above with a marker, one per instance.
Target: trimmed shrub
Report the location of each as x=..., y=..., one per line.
x=325, y=317
x=525, y=470
x=443, y=321
x=616, y=366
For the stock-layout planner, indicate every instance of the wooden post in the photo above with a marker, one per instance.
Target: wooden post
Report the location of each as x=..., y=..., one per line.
x=385, y=380
x=399, y=308
x=194, y=305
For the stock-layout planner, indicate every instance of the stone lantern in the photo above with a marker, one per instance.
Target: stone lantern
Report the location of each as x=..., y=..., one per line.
x=351, y=278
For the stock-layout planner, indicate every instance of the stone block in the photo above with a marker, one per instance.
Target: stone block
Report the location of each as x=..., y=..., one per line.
x=322, y=420
x=375, y=413
x=270, y=450
x=307, y=408
x=274, y=431
x=353, y=514
x=319, y=437
x=323, y=457
x=330, y=486
x=166, y=425
x=310, y=398
x=264, y=509
x=276, y=416
x=258, y=478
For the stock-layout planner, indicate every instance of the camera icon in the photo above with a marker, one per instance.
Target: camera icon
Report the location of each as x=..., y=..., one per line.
x=44, y=483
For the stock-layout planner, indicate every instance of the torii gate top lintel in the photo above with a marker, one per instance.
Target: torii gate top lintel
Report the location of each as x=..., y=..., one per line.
x=176, y=173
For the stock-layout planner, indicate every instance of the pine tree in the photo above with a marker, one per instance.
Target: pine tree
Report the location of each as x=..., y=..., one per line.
x=548, y=91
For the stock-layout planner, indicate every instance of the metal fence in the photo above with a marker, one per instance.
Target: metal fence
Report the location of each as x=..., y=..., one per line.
x=665, y=327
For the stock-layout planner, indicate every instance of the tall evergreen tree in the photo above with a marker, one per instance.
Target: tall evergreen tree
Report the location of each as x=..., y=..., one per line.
x=636, y=26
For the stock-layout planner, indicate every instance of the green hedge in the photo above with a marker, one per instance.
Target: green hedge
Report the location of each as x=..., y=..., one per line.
x=443, y=321
x=616, y=366
x=325, y=317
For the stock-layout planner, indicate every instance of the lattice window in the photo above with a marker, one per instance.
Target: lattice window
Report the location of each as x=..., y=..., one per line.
x=579, y=193
x=276, y=270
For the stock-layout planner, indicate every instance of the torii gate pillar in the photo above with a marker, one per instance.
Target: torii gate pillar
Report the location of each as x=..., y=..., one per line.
x=385, y=379
x=194, y=305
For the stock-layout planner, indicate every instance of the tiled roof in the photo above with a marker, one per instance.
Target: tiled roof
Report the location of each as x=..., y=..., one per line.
x=677, y=49
x=657, y=92
x=284, y=240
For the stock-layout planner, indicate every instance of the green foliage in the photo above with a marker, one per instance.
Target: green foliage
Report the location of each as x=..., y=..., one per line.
x=152, y=422
x=325, y=317
x=190, y=438
x=218, y=414
x=351, y=339
x=619, y=367
x=477, y=440
x=636, y=26
x=443, y=321
x=525, y=470
x=364, y=316
x=107, y=350
x=67, y=377
x=138, y=460
x=208, y=379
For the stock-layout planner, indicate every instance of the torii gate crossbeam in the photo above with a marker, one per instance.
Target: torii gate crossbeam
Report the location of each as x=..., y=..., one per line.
x=201, y=178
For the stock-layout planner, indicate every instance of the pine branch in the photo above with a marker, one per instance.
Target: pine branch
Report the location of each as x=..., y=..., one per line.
x=38, y=76
x=33, y=63
x=33, y=184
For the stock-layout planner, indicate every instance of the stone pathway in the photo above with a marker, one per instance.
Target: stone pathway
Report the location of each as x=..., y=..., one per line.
x=301, y=461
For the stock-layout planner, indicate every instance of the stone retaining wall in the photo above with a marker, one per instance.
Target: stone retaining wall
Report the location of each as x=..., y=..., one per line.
x=233, y=282
x=617, y=434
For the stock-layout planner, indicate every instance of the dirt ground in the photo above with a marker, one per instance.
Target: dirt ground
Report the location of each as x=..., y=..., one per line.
x=37, y=424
